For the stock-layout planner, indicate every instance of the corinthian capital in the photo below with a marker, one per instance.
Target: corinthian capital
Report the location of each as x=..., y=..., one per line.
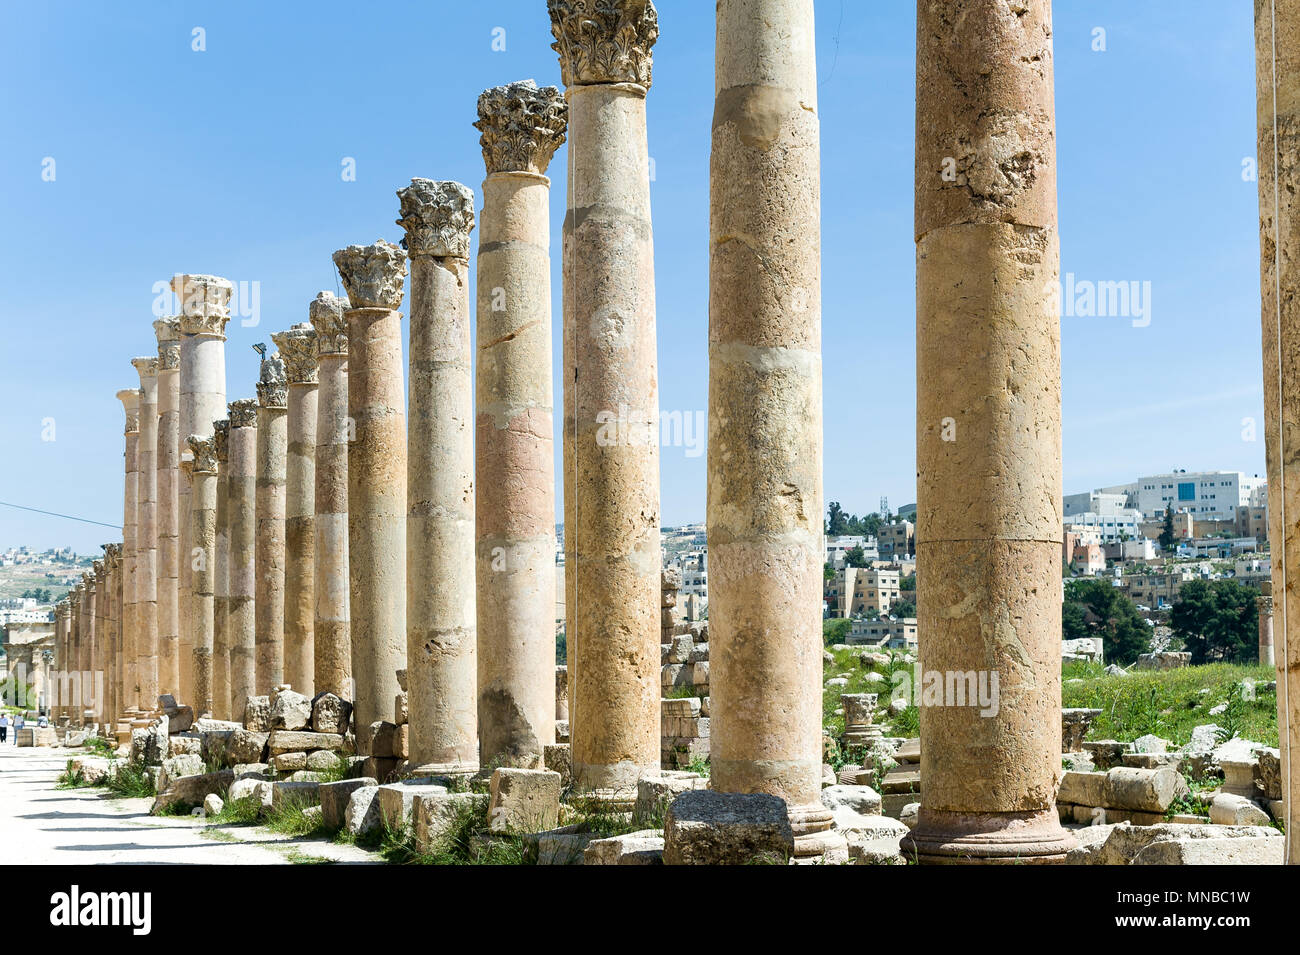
x=326, y=314
x=298, y=349
x=204, y=448
x=438, y=216
x=604, y=41
x=205, y=303
x=243, y=413
x=372, y=274
x=146, y=367
x=273, y=383
x=130, y=398
x=221, y=439
x=522, y=126
x=168, y=331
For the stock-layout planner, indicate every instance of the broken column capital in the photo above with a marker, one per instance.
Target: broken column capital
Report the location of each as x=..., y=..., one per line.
x=521, y=126
x=130, y=398
x=298, y=351
x=168, y=331
x=604, y=41
x=205, y=303
x=204, y=448
x=326, y=316
x=221, y=437
x=146, y=367
x=243, y=413
x=273, y=383
x=438, y=216
x=372, y=274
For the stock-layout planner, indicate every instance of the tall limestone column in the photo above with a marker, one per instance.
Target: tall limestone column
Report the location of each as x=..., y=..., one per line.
x=521, y=128
x=104, y=643
x=441, y=641
x=988, y=459
x=168, y=489
x=1264, y=607
x=1277, y=83
x=330, y=629
x=611, y=520
x=130, y=399
x=241, y=570
x=185, y=643
x=205, y=310
x=63, y=659
x=221, y=576
x=146, y=583
x=272, y=450
x=298, y=350
x=74, y=654
x=203, y=514
x=766, y=549
x=111, y=682
x=89, y=649
x=373, y=276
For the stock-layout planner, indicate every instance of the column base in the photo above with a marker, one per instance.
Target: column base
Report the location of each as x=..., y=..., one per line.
x=410, y=771
x=1011, y=838
x=814, y=840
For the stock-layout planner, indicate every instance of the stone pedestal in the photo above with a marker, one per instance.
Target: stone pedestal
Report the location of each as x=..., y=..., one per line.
x=1277, y=66
x=130, y=399
x=146, y=582
x=440, y=619
x=241, y=505
x=611, y=405
x=221, y=576
x=377, y=514
x=988, y=534
x=298, y=350
x=514, y=444
x=203, y=516
x=765, y=413
x=332, y=637
x=272, y=474
x=168, y=490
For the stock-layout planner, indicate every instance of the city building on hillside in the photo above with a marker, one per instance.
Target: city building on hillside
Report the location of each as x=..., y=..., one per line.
x=1125, y=525
x=1157, y=591
x=853, y=591
x=896, y=540
x=1097, y=502
x=1139, y=548
x=897, y=634
x=837, y=549
x=1210, y=495
x=1088, y=560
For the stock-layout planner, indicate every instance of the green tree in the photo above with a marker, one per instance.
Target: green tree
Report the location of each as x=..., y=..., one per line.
x=1105, y=612
x=907, y=582
x=1167, y=533
x=904, y=607
x=855, y=557
x=1216, y=620
x=836, y=523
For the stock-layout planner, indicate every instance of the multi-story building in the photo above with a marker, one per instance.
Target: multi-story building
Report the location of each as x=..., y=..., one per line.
x=1088, y=560
x=1158, y=590
x=1124, y=525
x=1207, y=495
x=1097, y=502
x=852, y=591
x=896, y=540
x=837, y=549
x=898, y=634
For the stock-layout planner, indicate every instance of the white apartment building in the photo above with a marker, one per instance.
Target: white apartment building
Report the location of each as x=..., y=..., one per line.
x=1206, y=495
x=838, y=547
x=1106, y=503
x=1107, y=527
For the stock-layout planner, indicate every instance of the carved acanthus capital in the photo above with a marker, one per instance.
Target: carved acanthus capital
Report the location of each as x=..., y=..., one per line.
x=61, y=609
x=522, y=126
x=273, y=383
x=130, y=398
x=372, y=274
x=113, y=553
x=88, y=582
x=243, y=413
x=326, y=313
x=604, y=41
x=221, y=438
x=204, y=448
x=438, y=216
x=168, y=331
x=145, y=367
x=298, y=350
x=205, y=303
x=99, y=568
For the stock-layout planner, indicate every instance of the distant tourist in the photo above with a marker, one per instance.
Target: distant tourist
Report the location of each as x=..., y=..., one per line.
x=18, y=725
x=4, y=727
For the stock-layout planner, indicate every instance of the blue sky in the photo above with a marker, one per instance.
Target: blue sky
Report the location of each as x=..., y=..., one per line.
x=228, y=161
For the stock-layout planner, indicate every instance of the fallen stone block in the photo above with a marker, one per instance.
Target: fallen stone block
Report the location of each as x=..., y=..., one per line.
x=383, y=739
x=249, y=788
x=708, y=828
x=325, y=761
x=300, y=741
x=186, y=744
x=330, y=714
x=396, y=801
x=290, y=711
x=257, y=714
x=437, y=815
x=191, y=790
x=174, y=767
x=256, y=770
x=245, y=746
x=334, y=799
x=523, y=800
x=655, y=792
x=861, y=799
x=1082, y=789
x=213, y=746
x=1269, y=777
x=872, y=839
x=294, y=792
x=362, y=813
x=1230, y=809
x=645, y=847
x=1124, y=841
x=1252, y=850
x=558, y=758
x=562, y=846
x=213, y=804
x=289, y=762
x=1143, y=790
x=401, y=709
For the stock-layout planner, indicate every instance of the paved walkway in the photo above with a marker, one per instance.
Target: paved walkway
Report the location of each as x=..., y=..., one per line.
x=41, y=825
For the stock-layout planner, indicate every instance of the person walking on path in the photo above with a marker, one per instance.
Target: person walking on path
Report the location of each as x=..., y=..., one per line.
x=4, y=727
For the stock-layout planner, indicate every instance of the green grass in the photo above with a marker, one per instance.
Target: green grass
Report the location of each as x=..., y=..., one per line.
x=461, y=843
x=846, y=663
x=238, y=812
x=1170, y=703
x=130, y=781
x=100, y=747
x=73, y=779
x=292, y=819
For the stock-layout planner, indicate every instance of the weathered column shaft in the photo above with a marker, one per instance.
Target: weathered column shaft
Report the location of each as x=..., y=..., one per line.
x=441, y=644
x=331, y=637
x=130, y=399
x=298, y=349
x=168, y=497
x=241, y=507
x=221, y=577
x=612, y=487
x=86, y=705
x=514, y=442
x=988, y=536
x=203, y=514
x=1277, y=79
x=765, y=413
x=62, y=657
x=372, y=276
x=1264, y=607
x=272, y=449
x=185, y=578
x=146, y=582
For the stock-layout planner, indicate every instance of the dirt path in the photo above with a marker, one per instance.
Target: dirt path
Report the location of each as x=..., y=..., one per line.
x=42, y=825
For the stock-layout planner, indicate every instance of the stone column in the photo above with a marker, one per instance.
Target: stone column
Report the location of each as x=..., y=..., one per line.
x=130, y=399
x=185, y=643
x=111, y=683
x=521, y=128
x=441, y=641
x=86, y=705
x=205, y=309
x=272, y=449
x=1264, y=604
x=330, y=629
x=241, y=508
x=62, y=659
x=103, y=645
x=765, y=414
x=168, y=491
x=373, y=276
x=146, y=581
x=74, y=654
x=988, y=535
x=203, y=514
x=1277, y=69
x=298, y=350
x=221, y=576
x=611, y=521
